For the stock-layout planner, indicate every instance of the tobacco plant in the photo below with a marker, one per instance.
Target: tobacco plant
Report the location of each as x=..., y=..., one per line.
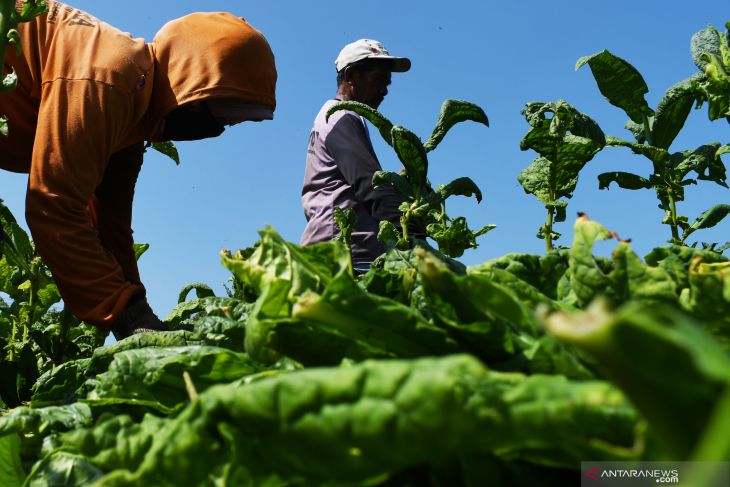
x=654, y=131
x=422, y=205
x=35, y=335
x=566, y=140
x=345, y=220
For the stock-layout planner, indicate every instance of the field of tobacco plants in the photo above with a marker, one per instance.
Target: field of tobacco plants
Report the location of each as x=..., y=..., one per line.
x=423, y=371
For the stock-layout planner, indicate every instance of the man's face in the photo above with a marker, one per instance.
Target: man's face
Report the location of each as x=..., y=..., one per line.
x=371, y=86
x=204, y=119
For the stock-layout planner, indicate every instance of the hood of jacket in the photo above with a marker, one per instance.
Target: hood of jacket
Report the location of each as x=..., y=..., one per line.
x=210, y=55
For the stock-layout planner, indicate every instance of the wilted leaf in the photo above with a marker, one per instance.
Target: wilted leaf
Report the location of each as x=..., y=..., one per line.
x=624, y=180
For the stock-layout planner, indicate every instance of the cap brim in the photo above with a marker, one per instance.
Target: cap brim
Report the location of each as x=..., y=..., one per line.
x=399, y=64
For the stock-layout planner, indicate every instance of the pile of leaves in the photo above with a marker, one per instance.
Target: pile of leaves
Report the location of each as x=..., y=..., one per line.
x=420, y=372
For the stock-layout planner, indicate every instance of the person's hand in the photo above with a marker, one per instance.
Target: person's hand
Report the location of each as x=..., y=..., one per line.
x=137, y=317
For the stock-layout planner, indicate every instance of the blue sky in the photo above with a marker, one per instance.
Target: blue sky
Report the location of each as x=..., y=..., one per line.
x=499, y=55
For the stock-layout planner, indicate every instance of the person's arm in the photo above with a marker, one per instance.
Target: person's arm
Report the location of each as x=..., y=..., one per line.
x=78, y=123
x=353, y=153
x=111, y=208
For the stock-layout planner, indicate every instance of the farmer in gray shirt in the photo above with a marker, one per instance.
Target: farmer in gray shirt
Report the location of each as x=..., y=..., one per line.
x=340, y=156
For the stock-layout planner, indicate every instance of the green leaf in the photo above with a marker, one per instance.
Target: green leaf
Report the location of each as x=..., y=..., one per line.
x=279, y=272
x=30, y=10
x=672, y=112
x=5, y=215
x=345, y=220
x=657, y=155
x=412, y=155
x=620, y=82
x=10, y=81
x=711, y=53
x=11, y=470
x=676, y=261
x=626, y=278
x=542, y=272
x=103, y=356
x=388, y=234
x=156, y=374
x=398, y=181
x=116, y=442
x=4, y=126
x=690, y=371
x=637, y=130
x=59, y=385
x=549, y=180
x=44, y=421
x=566, y=140
x=167, y=148
x=707, y=41
x=389, y=328
x=297, y=267
x=714, y=445
x=462, y=187
x=202, y=290
x=707, y=297
x=63, y=469
x=328, y=426
x=27, y=372
x=556, y=119
x=474, y=297
x=454, y=236
x=624, y=180
x=453, y=112
x=140, y=249
x=707, y=219
x=370, y=114
x=704, y=161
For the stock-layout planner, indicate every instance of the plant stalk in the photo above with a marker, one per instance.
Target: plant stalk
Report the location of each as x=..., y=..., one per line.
x=31, y=308
x=11, y=345
x=673, y=217
x=549, y=224
x=404, y=225
x=549, y=234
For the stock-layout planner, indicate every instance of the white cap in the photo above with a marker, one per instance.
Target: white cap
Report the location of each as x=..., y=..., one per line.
x=369, y=49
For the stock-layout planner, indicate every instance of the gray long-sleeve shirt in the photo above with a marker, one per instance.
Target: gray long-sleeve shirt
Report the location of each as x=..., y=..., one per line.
x=339, y=173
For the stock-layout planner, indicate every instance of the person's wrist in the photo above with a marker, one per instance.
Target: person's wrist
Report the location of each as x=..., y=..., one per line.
x=136, y=298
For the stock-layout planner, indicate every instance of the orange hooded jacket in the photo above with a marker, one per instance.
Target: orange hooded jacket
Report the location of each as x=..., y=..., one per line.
x=88, y=96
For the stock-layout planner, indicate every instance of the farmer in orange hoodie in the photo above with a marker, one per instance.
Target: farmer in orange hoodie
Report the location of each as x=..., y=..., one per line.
x=88, y=98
